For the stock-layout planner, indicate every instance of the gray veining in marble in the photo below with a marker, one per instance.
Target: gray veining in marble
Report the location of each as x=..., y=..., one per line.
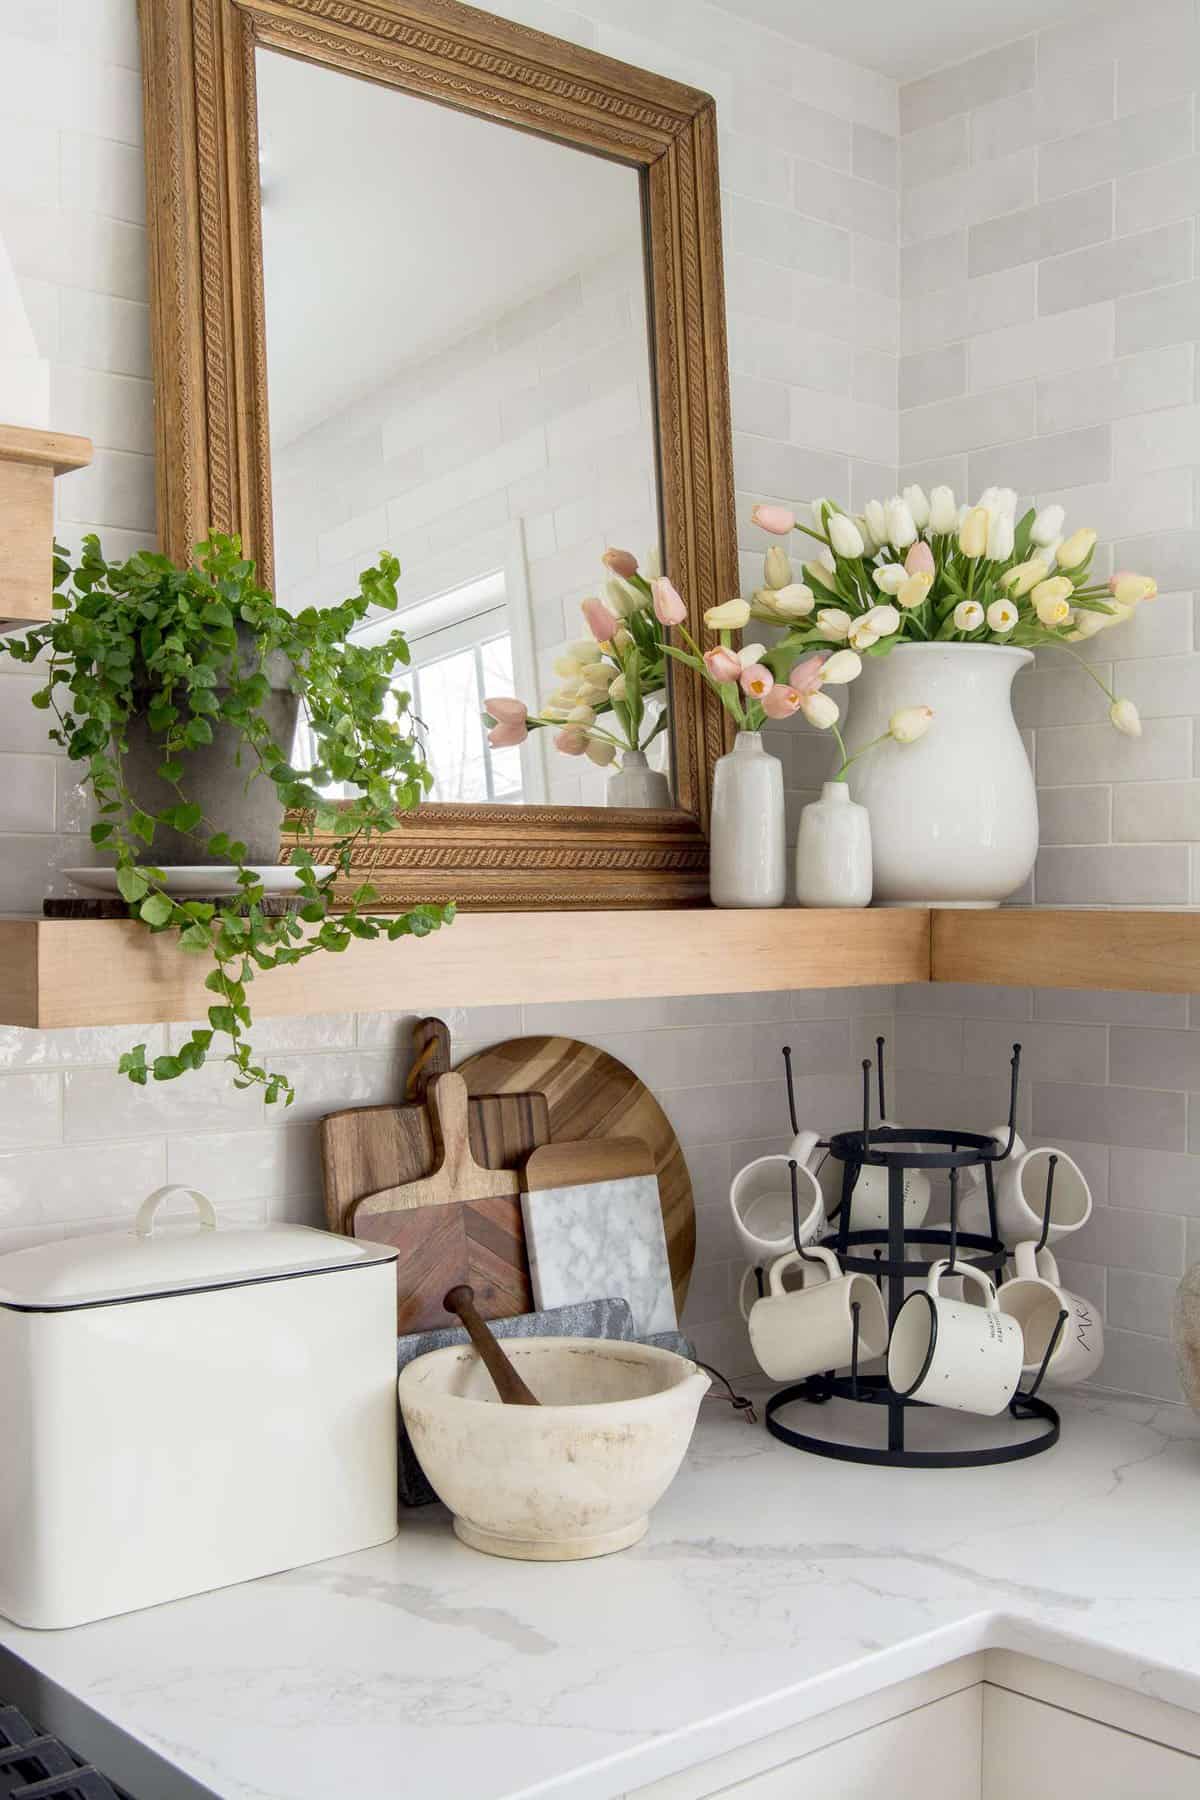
x=603, y=1237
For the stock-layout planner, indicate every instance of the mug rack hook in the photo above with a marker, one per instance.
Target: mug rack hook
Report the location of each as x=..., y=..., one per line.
x=791, y=1089
x=1051, y=1347
x=1047, y=1204
x=794, y=1172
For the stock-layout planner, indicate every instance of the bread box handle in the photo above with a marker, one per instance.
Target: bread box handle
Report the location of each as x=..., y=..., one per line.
x=144, y=1223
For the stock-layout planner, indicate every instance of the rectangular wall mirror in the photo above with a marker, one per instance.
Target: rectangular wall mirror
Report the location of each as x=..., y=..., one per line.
x=458, y=288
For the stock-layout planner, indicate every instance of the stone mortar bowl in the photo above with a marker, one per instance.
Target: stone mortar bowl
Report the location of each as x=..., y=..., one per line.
x=573, y=1477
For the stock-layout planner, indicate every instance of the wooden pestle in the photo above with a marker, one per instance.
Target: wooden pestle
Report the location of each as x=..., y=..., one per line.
x=511, y=1389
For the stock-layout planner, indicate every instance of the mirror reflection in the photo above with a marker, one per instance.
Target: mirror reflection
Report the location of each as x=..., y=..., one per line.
x=459, y=371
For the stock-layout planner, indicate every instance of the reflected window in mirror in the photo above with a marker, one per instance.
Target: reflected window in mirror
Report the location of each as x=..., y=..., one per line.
x=459, y=371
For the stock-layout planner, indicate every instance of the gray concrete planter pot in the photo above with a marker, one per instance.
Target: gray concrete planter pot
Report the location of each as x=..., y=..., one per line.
x=214, y=778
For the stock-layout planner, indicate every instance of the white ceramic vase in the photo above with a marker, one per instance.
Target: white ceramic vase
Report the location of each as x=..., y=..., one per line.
x=635, y=783
x=954, y=816
x=747, y=857
x=833, y=850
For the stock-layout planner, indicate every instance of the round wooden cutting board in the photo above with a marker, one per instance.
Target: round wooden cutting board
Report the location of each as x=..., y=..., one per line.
x=592, y=1095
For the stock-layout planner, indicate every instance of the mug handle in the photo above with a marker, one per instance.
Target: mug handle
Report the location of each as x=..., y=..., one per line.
x=802, y=1147
x=1025, y=1261
x=794, y=1260
x=968, y=1272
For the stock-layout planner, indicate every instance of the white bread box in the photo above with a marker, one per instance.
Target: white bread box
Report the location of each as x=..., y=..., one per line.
x=189, y=1406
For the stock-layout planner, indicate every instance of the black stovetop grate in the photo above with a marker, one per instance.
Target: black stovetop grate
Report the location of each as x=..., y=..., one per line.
x=36, y=1767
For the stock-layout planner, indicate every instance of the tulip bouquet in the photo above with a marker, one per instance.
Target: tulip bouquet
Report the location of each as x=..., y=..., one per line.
x=925, y=569
x=608, y=676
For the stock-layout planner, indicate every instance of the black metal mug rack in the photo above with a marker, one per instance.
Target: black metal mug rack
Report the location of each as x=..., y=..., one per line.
x=894, y=1256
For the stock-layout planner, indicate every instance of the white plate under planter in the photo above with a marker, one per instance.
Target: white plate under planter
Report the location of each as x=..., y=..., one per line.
x=202, y=881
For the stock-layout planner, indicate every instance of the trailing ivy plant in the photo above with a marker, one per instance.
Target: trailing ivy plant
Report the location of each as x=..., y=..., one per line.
x=147, y=637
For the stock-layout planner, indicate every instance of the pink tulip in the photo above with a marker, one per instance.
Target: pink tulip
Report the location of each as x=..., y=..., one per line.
x=668, y=606
x=757, y=681
x=507, y=733
x=919, y=560
x=506, y=710
x=781, y=702
x=806, y=676
x=776, y=519
x=602, y=624
x=621, y=562
x=722, y=664
x=570, y=742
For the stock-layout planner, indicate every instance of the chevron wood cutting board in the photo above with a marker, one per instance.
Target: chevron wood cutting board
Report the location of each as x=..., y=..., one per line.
x=462, y=1222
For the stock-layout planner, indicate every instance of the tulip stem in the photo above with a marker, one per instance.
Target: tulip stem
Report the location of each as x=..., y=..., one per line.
x=1099, y=681
x=847, y=758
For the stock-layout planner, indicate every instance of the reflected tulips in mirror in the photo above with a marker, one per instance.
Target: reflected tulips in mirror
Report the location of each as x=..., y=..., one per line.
x=610, y=704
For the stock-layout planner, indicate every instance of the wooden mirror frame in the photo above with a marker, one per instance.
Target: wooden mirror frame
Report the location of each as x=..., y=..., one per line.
x=213, y=455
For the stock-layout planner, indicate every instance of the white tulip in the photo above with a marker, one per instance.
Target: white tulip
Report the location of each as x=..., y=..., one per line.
x=1087, y=624
x=794, y=601
x=1124, y=715
x=818, y=572
x=875, y=519
x=1002, y=615
x=917, y=501
x=862, y=636
x=651, y=565
x=943, y=513
x=817, y=509
x=616, y=688
x=910, y=723
x=833, y=623
x=621, y=597
x=566, y=665
x=968, y=615
x=883, y=620
x=845, y=536
x=841, y=667
x=1001, y=529
x=585, y=650
x=901, y=526
x=989, y=500
x=600, y=751
x=820, y=710
x=750, y=654
x=890, y=577
x=581, y=714
x=1048, y=525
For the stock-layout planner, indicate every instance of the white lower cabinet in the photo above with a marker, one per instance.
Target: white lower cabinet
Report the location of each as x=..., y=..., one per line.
x=1032, y=1751
x=993, y=1726
x=930, y=1754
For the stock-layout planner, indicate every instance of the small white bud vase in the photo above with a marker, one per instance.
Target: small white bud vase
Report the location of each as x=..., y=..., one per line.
x=635, y=783
x=747, y=851
x=833, y=851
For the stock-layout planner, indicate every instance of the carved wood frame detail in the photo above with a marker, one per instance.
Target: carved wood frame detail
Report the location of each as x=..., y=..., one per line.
x=213, y=467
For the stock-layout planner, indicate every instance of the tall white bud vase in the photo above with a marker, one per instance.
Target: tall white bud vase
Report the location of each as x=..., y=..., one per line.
x=747, y=855
x=833, y=850
x=954, y=818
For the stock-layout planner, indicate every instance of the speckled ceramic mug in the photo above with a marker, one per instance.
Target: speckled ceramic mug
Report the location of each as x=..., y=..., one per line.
x=949, y=1353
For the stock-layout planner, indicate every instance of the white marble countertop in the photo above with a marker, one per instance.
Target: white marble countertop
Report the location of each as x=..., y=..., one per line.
x=771, y=1587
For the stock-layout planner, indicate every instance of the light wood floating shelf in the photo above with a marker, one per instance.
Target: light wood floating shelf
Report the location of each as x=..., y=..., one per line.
x=1146, y=952
x=56, y=972
x=106, y=972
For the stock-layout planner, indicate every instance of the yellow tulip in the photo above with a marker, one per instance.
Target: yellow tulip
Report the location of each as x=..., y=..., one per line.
x=1023, y=576
x=1076, y=549
x=914, y=590
x=973, y=532
x=729, y=617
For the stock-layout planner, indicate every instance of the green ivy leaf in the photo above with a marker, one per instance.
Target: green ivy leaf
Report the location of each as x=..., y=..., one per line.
x=131, y=885
x=156, y=910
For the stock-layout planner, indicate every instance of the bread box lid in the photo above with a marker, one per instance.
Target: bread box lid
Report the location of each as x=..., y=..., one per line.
x=148, y=1263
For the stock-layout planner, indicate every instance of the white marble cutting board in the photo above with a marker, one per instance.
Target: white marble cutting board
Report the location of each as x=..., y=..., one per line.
x=598, y=1240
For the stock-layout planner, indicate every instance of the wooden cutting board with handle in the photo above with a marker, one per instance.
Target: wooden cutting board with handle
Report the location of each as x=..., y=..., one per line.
x=592, y=1095
x=461, y=1223
x=365, y=1149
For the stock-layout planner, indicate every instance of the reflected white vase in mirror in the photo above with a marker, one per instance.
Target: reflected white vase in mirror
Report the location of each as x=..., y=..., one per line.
x=954, y=818
x=635, y=783
x=833, y=850
x=747, y=853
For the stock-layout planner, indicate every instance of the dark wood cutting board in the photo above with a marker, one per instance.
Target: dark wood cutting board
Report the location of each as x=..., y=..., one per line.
x=365, y=1149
